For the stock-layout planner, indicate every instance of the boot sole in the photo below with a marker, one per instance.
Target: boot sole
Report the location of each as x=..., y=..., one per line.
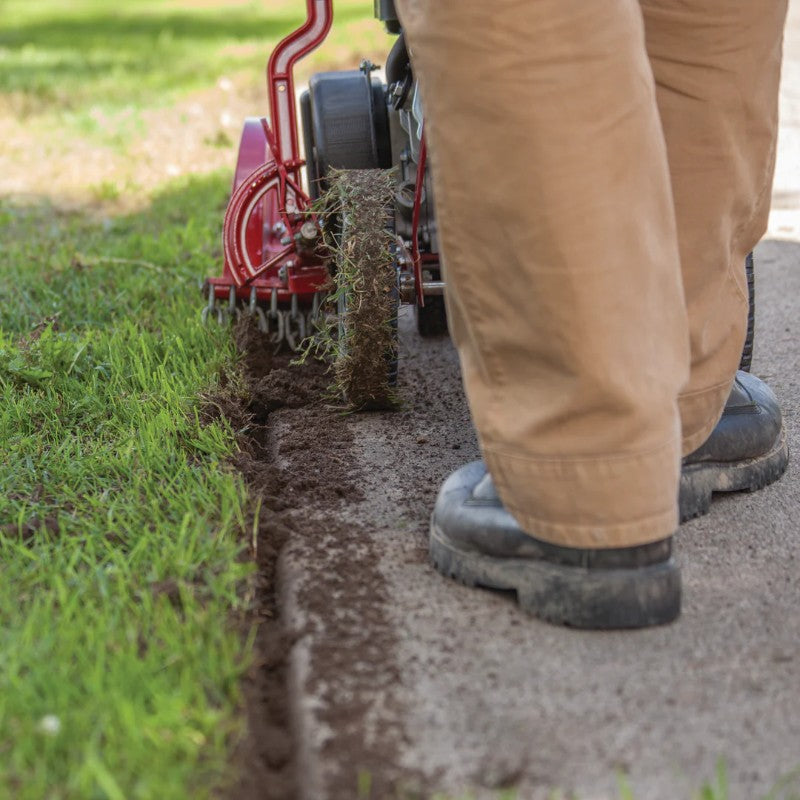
x=598, y=599
x=699, y=482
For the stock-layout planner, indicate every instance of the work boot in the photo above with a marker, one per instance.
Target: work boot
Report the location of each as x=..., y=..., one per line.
x=475, y=540
x=747, y=450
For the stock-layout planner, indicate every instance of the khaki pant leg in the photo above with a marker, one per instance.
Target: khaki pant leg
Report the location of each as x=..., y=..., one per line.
x=560, y=253
x=717, y=68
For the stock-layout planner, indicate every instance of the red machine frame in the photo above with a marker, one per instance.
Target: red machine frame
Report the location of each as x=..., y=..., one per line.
x=268, y=205
x=269, y=251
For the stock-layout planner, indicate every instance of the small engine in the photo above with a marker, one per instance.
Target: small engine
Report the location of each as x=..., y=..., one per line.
x=406, y=129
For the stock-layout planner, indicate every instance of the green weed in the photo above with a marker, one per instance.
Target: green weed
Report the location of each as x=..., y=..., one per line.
x=716, y=789
x=106, y=191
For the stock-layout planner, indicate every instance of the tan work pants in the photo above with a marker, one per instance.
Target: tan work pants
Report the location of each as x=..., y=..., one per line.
x=602, y=168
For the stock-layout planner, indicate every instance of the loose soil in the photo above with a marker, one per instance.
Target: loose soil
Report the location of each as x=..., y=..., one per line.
x=295, y=456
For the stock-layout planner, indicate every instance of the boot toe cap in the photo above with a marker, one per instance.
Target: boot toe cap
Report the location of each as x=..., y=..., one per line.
x=749, y=427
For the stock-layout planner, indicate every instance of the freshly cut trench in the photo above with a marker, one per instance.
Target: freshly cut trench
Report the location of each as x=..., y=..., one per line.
x=295, y=457
x=264, y=763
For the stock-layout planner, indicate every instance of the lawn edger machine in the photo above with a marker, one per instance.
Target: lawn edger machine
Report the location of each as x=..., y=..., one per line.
x=364, y=142
x=363, y=139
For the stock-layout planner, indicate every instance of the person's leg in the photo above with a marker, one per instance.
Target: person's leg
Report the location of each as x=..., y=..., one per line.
x=565, y=302
x=717, y=68
x=563, y=282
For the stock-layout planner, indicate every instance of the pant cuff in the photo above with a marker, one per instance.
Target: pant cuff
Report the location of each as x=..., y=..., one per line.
x=620, y=501
x=700, y=412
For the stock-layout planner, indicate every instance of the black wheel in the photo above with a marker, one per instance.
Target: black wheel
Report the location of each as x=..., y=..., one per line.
x=432, y=317
x=348, y=152
x=345, y=125
x=747, y=353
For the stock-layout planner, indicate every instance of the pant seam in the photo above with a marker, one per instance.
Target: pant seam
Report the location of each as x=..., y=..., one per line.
x=465, y=296
x=708, y=390
x=766, y=185
x=580, y=460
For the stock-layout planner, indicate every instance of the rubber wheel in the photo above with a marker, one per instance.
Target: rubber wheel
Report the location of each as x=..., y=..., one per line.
x=432, y=317
x=366, y=289
x=747, y=353
x=345, y=125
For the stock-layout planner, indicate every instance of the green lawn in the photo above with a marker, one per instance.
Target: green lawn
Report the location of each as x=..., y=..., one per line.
x=122, y=531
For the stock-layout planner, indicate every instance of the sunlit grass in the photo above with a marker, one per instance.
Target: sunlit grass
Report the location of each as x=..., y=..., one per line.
x=90, y=57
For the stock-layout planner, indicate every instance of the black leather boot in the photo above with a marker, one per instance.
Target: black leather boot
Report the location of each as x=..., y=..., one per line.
x=747, y=450
x=475, y=540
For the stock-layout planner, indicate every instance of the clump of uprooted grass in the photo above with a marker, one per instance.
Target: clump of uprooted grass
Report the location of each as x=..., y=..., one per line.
x=361, y=339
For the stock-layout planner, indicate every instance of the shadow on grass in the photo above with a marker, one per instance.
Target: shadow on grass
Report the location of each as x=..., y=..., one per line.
x=92, y=271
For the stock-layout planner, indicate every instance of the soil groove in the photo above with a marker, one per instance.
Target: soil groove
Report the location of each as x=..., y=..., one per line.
x=295, y=455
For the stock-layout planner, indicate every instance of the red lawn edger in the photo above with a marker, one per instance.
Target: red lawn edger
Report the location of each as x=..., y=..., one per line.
x=275, y=266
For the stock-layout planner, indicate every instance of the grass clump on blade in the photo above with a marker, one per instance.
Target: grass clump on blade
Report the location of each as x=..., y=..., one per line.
x=361, y=339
